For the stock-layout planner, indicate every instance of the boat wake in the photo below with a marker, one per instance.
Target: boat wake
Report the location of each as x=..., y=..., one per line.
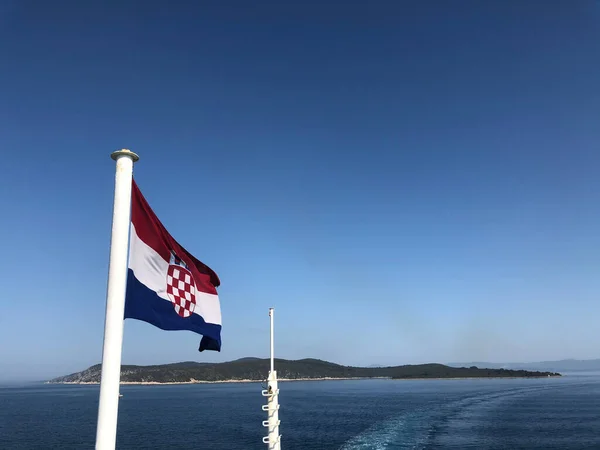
x=405, y=432
x=418, y=429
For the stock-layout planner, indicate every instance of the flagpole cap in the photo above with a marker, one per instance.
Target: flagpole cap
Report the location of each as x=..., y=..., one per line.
x=125, y=152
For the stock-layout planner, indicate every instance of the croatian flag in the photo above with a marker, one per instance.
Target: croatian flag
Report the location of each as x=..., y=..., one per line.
x=166, y=285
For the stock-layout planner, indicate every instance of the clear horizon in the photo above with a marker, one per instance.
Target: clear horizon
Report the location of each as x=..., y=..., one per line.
x=403, y=182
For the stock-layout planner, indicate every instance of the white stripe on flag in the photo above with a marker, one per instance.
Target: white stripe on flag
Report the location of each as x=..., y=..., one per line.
x=150, y=269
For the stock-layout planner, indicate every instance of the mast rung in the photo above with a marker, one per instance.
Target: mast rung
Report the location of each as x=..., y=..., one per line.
x=266, y=408
x=266, y=423
x=266, y=393
x=266, y=439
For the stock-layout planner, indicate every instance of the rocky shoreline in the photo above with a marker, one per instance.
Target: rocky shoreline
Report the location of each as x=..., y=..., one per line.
x=154, y=383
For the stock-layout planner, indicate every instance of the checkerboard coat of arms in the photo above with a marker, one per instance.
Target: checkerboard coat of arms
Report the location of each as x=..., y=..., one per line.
x=181, y=288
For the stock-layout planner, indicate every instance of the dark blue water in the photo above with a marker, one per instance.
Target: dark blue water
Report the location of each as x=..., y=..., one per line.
x=379, y=414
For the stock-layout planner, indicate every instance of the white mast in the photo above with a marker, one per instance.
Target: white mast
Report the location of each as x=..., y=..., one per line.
x=106, y=432
x=272, y=394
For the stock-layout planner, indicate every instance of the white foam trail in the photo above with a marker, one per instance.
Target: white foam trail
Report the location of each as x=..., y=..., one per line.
x=408, y=431
x=413, y=429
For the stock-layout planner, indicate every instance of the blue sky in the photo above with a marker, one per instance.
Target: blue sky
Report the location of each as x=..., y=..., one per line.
x=404, y=182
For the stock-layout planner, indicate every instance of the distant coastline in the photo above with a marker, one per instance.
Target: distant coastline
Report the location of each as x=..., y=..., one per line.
x=562, y=366
x=155, y=383
x=249, y=370
x=164, y=383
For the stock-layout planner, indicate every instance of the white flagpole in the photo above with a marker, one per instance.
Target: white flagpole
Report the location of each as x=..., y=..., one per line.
x=271, y=316
x=272, y=393
x=106, y=431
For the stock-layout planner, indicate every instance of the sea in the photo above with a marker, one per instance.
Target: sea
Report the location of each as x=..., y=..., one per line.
x=549, y=413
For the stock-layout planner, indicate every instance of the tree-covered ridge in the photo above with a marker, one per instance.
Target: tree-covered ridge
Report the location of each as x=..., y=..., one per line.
x=257, y=369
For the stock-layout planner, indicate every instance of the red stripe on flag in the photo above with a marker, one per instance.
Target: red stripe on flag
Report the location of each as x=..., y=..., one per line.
x=152, y=232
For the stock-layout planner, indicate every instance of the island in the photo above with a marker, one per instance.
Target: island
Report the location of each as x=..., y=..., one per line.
x=256, y=369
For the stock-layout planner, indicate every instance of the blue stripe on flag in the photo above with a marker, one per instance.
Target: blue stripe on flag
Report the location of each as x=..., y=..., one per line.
x=142, y=303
